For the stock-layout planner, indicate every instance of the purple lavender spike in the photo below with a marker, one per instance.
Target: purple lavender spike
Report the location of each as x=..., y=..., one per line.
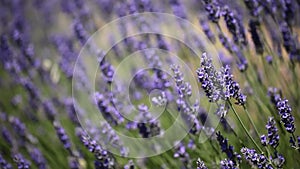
x=213, y=10
x=228, y=149
x=21, y=162
x=38, y=158
x=278, y=160
x=129, y=165
x=7, y=136
x=103, y=158
x=49, y=109
x=200, y=164
x=4, y=164
x=62, y=135
x=73, y=163
x=178, y=9
x=255, y=36
x=182, y=154
x=227, y=164
x=255, y=159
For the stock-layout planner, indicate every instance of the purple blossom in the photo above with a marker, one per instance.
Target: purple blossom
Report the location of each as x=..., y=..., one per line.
x=228, y=149
x=255, y=159
x=129, y=165
x=38, y=158
x=21, y=162
x=227, y=164
x=272, y=138
x=49, y=109
x=62, y=135
x=182, y=154
x=200, y=164
x=103, y=157
x=73, y=163
x=206, y=29
x=253, y=24
x=278, y=160
x=213, y=10
x=6, y=135
x=4, y=164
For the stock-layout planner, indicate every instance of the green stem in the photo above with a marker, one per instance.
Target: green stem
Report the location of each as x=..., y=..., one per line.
x=251, y=121
x=244, y=127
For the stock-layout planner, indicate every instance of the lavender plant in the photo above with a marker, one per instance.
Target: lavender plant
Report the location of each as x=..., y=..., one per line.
x=42, y=107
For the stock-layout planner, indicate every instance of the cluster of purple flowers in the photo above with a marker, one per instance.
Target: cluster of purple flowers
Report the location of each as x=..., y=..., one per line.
x=218, y=85
x=284, y=110
x=200, y=164
x=4, y=164
x=255, y=159
x=21, y=162
x=62, y=135
x=103, y=157
x=233, y=157
x=30, y=76
x=272, y=138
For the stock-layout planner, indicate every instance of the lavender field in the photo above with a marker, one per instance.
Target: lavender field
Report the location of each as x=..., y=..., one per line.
x=134, y=84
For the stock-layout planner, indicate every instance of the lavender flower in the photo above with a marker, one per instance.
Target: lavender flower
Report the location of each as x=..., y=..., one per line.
x=227, y=164
x=255, y=159
x=231, y=23
x=73, y=163
x=232, y=88
x=103, y=159
x=62, y=135
x=218, y=85
x=255, y=36
x=148, y=127
x=253, y=7
x=129, y=165
x=80, y=32
x=287, y=118
x=21, y=162
x=180, y=152
x=7, y=136
x=18, y=126
x=273, y=138
x=228, y=149
x=207, y=77
x=4, y=164
x=206, y=29
x=107, y=70
x=278, y=160
x=105, y=108
x=213, y=10
x=178, y=9
x=38, y=158
x=200, y=164
x=49, y=110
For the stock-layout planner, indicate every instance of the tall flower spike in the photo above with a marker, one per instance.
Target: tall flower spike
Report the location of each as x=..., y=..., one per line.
x=129, y=165
x=103, y=159
x=228, y=149
x=213, y=10
x=255, y=36
x=232, y=88
x=38, y=158
x=287, y=118
x=255, y=159
x=4, y=164
x=227, y=164
x=62, y=135
x=21, y=162
x=200, y=164
x=272, y=138
x=278, y=160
